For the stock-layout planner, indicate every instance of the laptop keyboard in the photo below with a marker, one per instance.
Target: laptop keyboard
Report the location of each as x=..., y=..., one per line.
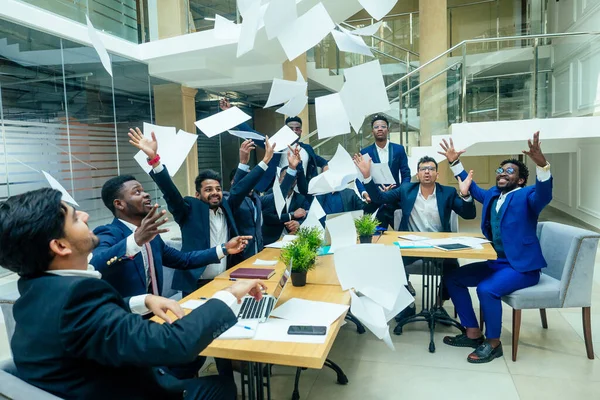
x=252, y=309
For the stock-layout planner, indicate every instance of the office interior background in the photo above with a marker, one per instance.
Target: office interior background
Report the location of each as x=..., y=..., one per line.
x=61, y=112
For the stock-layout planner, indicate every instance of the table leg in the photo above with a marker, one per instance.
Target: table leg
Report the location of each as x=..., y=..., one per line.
x=268, y=381
x=251, y=391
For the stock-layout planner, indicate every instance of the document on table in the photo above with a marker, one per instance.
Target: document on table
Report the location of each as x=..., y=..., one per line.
x=192, y=304
x=308, y=312
x=407, y=244
x=265, y=263
x=222, y=121
x=242, y=330
x=275, y=330
x=414, y=238
x=475, y=243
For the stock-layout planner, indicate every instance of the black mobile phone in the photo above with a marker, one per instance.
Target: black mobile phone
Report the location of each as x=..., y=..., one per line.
x=306, y=330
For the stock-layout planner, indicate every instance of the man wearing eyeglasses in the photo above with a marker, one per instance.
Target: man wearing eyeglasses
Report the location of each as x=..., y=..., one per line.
x=426, y=207
x=509, y=220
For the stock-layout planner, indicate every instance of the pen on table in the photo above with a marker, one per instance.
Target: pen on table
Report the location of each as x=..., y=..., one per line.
x=244, y=326
x=232, y=279
x=203, y=298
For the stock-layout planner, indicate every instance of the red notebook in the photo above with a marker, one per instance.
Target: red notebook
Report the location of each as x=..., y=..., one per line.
x=253, y=273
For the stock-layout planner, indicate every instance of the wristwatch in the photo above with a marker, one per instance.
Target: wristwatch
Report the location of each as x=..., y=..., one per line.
x=464, y=196
x=224, y=249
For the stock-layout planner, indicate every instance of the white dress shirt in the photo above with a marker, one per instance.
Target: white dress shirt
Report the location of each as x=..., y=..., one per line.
x=383, y=153
x=425, y=216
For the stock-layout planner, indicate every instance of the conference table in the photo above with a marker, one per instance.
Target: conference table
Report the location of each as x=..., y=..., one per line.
x=323, y=285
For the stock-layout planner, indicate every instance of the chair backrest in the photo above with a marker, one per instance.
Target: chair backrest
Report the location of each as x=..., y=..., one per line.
x=169, y=272
x=570, y=253
x=14, y=388
x=453, y=220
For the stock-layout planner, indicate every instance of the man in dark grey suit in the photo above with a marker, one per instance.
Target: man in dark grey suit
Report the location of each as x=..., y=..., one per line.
x=76, y=337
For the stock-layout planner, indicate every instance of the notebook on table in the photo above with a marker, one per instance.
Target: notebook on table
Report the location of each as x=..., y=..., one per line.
x=252, y=273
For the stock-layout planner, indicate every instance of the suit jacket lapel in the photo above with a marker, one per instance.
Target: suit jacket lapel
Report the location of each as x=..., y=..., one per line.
x=440, y=200
x=411, y=198
x=390, y=156
x=375, y=154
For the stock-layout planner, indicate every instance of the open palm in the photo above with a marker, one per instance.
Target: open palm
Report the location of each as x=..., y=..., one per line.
x=147, y=145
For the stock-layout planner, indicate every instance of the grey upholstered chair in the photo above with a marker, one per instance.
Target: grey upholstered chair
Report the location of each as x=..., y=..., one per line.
x=167, y=291
x=567, y=281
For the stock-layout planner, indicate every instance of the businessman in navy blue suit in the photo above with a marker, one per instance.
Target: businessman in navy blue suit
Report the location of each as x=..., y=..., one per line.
x=131, y=252
x=206, y=220
x=76, y=337
x=394, y=155
x=509, y=221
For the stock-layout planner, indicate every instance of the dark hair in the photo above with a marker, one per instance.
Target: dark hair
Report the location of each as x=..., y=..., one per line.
x=111, y=190
x=293, y=119
x=204, y=175
x=426, y=159
x=28, y=223
x=523, y=170
x=379, y=117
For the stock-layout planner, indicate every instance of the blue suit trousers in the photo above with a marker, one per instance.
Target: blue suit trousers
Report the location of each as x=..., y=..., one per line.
x=493, y=279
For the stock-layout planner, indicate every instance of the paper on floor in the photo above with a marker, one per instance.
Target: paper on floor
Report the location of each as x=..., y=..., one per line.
x=275, y=330
x=99, y=46
x=331, y=116
x=308, y=30
x=308, y=312
x=342, y=232
x=265, y=263
x=222, y=121
x=54, y=184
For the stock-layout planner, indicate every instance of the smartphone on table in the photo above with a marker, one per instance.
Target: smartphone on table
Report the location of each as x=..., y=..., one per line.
x=307, y=330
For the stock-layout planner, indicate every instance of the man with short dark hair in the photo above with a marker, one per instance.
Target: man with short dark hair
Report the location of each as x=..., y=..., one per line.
x=509, y=220
x=131, y=252
x=205, y=220
x=76, y=337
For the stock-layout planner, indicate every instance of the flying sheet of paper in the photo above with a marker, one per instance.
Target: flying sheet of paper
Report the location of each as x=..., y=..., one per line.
x=331, y=116
x=283, y=138
x=363, y=92
x=378, y=8
x=341, y=172
x=316, y=210
x=99, y=46
x=265, y=263
x=192, y=304
x=249, y=28
x=381, y=174
x=283, y=90
x=55, y=185
x=226, y=29
x=312, y=222
x=222, y=121
x=372, y=315
x=247, y=135
x=306, y=31
x=245, y=5
x=279, y=15
x=275, y=330
x=364, y=31
x=351, y=43
x=403, y=300
x=278, y=197
x=308, y=312
x=294, y=106
x=342, y=231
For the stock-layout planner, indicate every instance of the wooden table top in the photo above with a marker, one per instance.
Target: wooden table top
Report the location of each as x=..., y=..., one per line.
x=280, y=353
x=267, y=254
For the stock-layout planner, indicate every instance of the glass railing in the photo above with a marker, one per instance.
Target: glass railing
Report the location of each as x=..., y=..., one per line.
x=529, y=77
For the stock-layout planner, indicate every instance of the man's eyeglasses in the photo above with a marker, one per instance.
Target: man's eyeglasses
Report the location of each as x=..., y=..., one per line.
x=380, y=127
x=423, y=169
x=509, y=170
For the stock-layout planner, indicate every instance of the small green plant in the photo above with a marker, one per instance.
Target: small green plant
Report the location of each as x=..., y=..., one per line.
x=302, y=255
x=366, y=225
x=311, y=236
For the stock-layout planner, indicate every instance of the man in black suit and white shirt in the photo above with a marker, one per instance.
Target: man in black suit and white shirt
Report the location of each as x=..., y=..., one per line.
x=75, y=336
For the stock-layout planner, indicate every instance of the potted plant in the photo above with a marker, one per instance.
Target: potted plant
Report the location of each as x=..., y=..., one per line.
x=366, y=227
x=302, y=257
x=312, y=236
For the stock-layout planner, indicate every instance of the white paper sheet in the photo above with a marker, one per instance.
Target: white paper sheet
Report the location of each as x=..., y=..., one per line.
x=372, y=316
x=192, y=304
x=240, y=330
x=278, y=197
x=381, y=174
x=55, y=185
x=247, y=135
x=414, y=238
x=275, y=330
x=279, y=15
x=308, y=30
x=403, y=300
x=222, y=121
x=283, y=138
x=378, y=8
x=294, y=106
x=249, y=28
x=265, y=263
x=316, y=210
x=99, y=46
x=226, y=29
x=342, y=171
x=289, y=238
x=363, y=92
x=351, y=43
x=313, y=222
x=283, y=90
x=342, y=232
x=366, y=30
x=331, y=116
x=308, y=312
x=277, y=245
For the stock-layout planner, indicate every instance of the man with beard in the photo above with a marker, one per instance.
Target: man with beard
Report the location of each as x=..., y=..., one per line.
x=509, y=220
x=131, y=252
x=76, y=337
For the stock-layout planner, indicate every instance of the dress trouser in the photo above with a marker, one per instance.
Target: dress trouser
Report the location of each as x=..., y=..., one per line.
x=493, y=279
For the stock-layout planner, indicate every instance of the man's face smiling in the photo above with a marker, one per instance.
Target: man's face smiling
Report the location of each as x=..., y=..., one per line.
x=508, y=179
x=211, y=193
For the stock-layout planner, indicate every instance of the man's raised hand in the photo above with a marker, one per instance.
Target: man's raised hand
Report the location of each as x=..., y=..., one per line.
x=535, y=151
x=138, y=140
x=450, y=152
x=150, y=226
x=245, y=149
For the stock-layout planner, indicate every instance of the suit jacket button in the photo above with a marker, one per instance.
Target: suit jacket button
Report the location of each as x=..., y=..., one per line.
x=108, y=262
x=184, y=393
x=226, y=327
x=215, y=335
x=161, y=371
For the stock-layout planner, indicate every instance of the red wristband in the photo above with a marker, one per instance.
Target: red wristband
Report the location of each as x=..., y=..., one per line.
x=153, y=161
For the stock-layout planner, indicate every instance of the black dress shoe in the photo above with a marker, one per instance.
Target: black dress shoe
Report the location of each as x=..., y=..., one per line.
x=411, y=289
x=485, y=353
x=463, y=340
x=407, y=312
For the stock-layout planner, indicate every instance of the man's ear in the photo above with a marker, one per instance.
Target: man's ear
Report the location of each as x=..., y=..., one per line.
x=60, y=247
x=197, y=194
x=521, y=181
x=119, y=204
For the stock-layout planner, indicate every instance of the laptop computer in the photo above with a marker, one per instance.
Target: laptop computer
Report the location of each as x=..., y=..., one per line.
x=355, y=215
x=260, y=310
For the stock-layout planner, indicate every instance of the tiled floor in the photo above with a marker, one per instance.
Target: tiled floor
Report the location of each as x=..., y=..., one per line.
x=552, y=363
